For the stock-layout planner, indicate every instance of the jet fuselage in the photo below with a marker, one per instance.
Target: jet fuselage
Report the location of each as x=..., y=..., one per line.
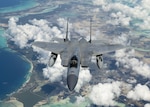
x=75, y=58
x=73, y=70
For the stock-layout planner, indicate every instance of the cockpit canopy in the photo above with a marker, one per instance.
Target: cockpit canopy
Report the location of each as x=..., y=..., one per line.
x=74, y=62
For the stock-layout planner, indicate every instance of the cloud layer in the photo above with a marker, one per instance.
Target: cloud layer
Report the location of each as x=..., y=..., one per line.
x=104, y=94
x=101, y=94
x=127, y=59
x=137, y=14
x=140, y=92
x=126, y=12
x=37, y=30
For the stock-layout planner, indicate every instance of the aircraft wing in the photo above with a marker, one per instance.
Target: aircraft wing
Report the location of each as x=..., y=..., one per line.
x=51, y=46
x=101, y=41
x=97, y=49
x=60, y=40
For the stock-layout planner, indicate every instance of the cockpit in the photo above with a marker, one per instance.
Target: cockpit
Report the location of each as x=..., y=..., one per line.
x=74, y=62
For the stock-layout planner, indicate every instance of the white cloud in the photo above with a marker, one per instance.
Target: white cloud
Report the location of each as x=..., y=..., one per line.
x=62, y=22
x=119, y=18
x=38, y=30
x=104, y=94
x=122, y=39
x=128, y=60
x=124, y=14
x=84, y=78
x=147, y=105
x=140, y=92
x=99, y=2
x=145, y=4
x=80, y=99
x=56, y=72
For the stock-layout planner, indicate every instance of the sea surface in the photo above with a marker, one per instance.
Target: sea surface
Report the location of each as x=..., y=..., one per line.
x=14, y=69
x=3, y=42
x=15, y=5
x=13, y=72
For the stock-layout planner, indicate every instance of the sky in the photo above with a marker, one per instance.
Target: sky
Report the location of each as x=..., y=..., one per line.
x=101, y=93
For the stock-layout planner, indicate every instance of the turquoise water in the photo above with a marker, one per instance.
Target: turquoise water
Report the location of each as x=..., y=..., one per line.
x=13, y=69
x=3, y=42
x=13, y=72
x=15, y=5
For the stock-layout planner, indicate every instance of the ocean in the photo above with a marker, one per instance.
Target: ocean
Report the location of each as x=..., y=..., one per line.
x=14, y=69
x=13, y=72
x=8, y=3
x=2, y=39
x=15, y=5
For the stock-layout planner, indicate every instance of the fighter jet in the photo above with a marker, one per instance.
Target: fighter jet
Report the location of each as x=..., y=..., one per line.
x=75, y=53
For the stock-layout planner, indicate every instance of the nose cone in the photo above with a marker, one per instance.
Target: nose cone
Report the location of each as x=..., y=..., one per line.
x=72, y=81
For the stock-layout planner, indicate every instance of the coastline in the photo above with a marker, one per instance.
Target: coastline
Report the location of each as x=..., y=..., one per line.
x=27, y=84
x=28, y=66
x=29, y=72
x=26, y=76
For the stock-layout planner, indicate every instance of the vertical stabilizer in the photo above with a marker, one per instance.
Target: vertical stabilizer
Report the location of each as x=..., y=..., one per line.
x=90, y=30
x=66, y=39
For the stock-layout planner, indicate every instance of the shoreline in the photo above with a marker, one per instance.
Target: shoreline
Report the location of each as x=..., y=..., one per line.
x=28, y=84
x=26, y=76
x=29, y=73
